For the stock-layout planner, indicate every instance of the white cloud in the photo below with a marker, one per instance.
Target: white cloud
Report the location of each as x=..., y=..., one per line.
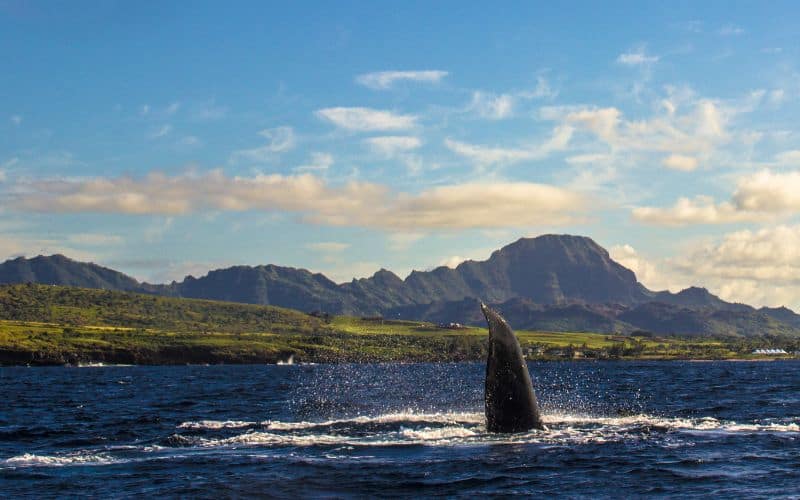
x=492, y=106
x=543, y=90
x=328, y=246
x=145, y=110
x=391, y=145
x=452, y=262
x=645, y=271
x=367, y=119
x=16, y=120
x=485, y=205
x=770, y=192
x=756, y=267
x=788, y=158
x=279, y=140
x=382, y=80
x=319, y=161
x=763, y=195
x=680, y=162
x=483, y=155
x=636, y=57
x=469, y=205
x=699, y=130
x=699, y=210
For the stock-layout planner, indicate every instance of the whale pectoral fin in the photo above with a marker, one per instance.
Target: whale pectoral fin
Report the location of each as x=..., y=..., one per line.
x=511, y=404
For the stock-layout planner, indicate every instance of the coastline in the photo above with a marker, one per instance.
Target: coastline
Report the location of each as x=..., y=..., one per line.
x=30, y=359
x=57, y=326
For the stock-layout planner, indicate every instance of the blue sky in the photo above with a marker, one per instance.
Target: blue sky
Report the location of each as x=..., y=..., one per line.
x=164, y=139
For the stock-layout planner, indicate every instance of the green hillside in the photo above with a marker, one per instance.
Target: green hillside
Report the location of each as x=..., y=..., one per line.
x=41, y=324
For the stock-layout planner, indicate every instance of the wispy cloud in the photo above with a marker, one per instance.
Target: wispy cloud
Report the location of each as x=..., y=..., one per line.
x=492, y=106
x=208, y=111
x=162, y=131
x=16, y=120
x=189, y=141
x=383, y=80
x=680, y=162
x=7, y=165
x=366, y=119
x=390, y=145
x=279, y=140
x=94, y=239
x=483, y=155
x=328, y=246
x=730, y=30
x=788, y=158
x=319, y=161
x=157, y=229
x=543, y=90
x=699, y=129
x=636, y=57
x=401, y=241
x=499, y=106
x=172, y=108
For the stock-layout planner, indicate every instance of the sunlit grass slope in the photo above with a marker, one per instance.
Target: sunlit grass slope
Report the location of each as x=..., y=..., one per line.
x=42, y=324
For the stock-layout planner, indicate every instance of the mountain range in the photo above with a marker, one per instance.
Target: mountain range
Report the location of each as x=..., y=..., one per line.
x=551, y=282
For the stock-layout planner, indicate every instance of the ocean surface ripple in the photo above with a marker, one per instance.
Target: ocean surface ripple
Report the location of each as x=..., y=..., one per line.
x=613, y=429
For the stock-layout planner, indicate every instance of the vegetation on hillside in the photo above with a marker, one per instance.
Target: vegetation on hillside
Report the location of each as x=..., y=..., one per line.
x=42, y=324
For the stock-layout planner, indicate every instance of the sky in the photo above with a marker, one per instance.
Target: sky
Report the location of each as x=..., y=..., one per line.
x=169, y=138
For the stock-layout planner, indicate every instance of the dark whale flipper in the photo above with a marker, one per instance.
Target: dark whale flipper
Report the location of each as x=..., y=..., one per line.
x=511, y=405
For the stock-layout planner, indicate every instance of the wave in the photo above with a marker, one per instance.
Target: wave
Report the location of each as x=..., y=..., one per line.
x=216, y=424
x=407, y=416
x=408, y=428
x=477, y=419
x=100, y=364
x=674, y=423
x=78, y=458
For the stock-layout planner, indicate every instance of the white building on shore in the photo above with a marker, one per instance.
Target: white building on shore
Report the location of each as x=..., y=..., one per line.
x=770, y=352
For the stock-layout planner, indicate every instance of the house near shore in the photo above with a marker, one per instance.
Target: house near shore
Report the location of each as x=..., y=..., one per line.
x=770, y=352
x=451, y=326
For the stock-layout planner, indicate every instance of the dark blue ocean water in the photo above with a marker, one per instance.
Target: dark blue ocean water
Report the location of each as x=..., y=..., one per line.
x=615, y=429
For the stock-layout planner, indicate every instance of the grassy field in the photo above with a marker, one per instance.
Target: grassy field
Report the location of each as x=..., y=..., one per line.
x=60, y=325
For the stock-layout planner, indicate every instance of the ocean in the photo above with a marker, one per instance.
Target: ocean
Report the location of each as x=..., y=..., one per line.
x=615, y=429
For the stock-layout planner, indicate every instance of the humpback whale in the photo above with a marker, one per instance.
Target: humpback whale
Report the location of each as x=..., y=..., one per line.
x=511, y=405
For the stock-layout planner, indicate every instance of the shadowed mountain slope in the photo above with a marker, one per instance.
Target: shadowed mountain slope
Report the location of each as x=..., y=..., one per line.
x=552, y=282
